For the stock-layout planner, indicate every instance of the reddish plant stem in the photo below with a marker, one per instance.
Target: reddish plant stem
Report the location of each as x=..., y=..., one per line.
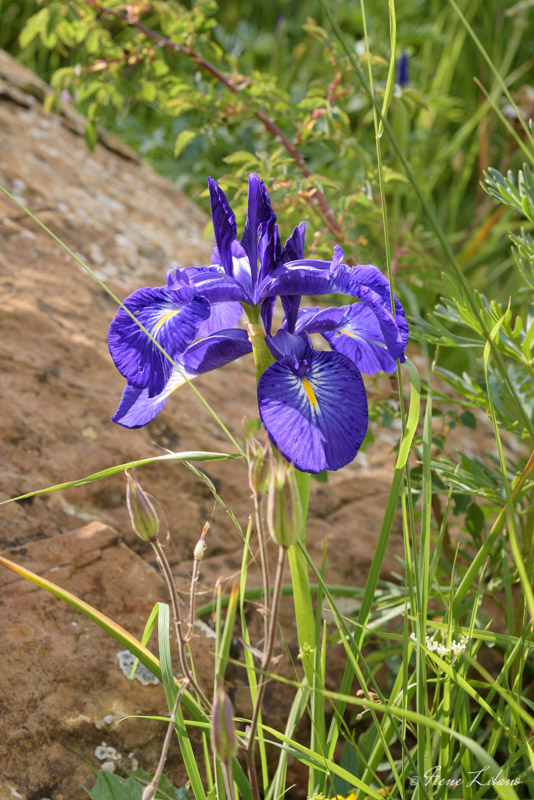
x=264, y=564
x=327, y=213
x=169, y=579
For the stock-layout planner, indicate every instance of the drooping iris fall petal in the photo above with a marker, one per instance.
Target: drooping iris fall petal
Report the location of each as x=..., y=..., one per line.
x=173, y=317
x=352, y=330
x=317, y=420
x=367, y=284
x=138, y=408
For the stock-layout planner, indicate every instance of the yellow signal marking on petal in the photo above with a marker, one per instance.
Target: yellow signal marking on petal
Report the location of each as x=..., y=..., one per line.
x=309, y=391
x=164, y=319
x=347, y=333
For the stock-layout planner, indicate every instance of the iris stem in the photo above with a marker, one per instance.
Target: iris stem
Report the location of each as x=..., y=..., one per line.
x=301, y=584
x=263, y=358
x=198, y=556
x=228, y=780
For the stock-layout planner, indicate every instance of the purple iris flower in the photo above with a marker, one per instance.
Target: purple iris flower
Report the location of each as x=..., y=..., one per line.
x=311, y=402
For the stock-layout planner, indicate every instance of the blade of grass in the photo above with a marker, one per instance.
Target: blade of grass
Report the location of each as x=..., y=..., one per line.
x=381, y=548
x=169, y=685
x=247, y=652
x=498, y=78
x=487, y=547
x=107, y=473
x=106, y=623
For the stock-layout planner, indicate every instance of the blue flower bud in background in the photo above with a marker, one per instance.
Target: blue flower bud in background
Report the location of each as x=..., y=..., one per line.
x=403, y=73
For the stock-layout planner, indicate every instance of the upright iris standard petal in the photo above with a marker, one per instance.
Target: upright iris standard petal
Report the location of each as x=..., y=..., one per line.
x=224, y=226
x=260, y=218
x=293, y=249
x=241, y=268
x=138, y=408
x=173, y=317
x=318, y=420
x=352, y=330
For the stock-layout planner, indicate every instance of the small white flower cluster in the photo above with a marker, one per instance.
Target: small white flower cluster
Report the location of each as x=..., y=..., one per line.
x=456, y=649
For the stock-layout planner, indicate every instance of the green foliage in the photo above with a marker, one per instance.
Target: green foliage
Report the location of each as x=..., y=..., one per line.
x=194, y=86
x=166, y=791
x=112, y=787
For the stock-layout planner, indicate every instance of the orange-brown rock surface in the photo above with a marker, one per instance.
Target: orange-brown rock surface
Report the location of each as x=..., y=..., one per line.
x=60, y=679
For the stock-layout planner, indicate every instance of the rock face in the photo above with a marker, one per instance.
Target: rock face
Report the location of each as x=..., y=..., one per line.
x=61, y=680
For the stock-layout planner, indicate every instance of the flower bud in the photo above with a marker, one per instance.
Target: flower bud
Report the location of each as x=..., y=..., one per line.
x=223, y=738
x=259, y=465
x=284, y=509
x=143, y=515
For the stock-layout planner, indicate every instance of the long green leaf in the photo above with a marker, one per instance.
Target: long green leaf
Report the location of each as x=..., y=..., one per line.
x=169, y=685
x=193, y=455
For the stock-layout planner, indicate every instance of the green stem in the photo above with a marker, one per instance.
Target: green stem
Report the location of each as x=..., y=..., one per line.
x=299, y=570
x=301, y=585
x=263, y=358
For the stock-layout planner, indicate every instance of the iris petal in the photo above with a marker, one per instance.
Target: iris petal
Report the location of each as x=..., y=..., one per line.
x=223, y=316
x=172, y=317
x=224, y=226
x=216, y=351
x=352, y=330
x=314, y=278
x=368, y=284
x=297, y=280
x=137, y=408
x=260, y=216
x=293, y=249
x=218, y=288
x=317, y=421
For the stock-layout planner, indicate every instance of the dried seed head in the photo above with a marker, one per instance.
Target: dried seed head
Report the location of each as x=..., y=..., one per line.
x=200, y=548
